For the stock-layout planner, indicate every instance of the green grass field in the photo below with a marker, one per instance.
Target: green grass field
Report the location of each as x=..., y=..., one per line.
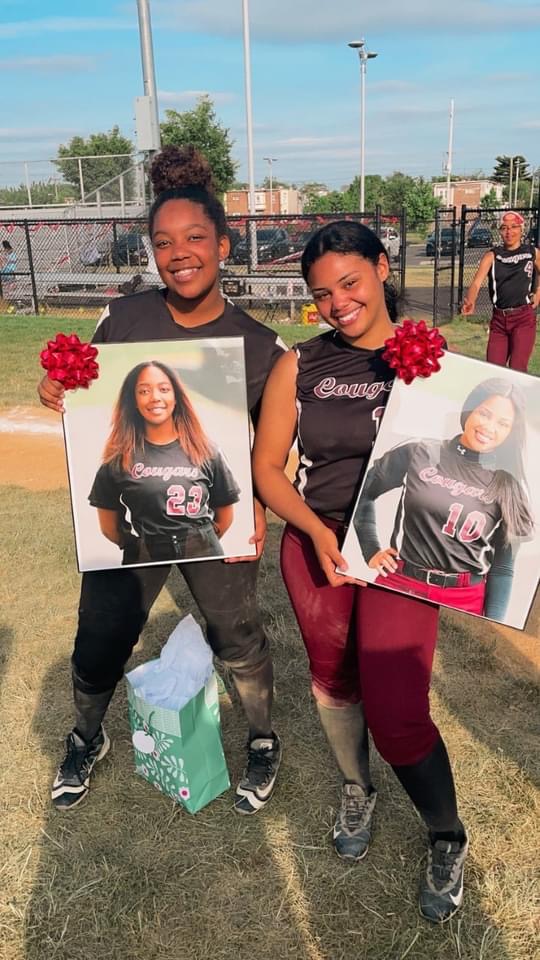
x=130, y=876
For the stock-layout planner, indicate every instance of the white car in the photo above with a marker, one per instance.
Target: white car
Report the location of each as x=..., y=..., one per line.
x=391, y=241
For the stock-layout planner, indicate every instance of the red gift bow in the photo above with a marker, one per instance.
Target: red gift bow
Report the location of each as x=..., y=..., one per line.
x=70, y=361
x=414, y=350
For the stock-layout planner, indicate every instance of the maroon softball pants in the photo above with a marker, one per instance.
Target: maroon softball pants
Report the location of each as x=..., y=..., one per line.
x=366, y=643
x=512, y=337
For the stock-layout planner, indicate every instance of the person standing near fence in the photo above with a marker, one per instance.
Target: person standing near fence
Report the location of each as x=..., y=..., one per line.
x=188, y=230
x=512, y=271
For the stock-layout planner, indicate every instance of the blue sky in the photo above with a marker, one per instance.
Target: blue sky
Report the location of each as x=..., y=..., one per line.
x=69, y=68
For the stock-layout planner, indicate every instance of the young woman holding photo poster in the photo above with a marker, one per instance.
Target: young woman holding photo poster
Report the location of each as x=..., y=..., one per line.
x=370, y=650
x=188, y=230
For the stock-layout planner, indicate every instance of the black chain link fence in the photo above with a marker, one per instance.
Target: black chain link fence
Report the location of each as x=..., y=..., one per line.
x=82, y=264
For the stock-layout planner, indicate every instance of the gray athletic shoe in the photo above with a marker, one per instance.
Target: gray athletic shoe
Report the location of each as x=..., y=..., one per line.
x=352, y=829
x=442, y=893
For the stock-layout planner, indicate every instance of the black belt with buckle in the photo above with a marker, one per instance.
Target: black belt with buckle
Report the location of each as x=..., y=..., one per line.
x=436, y=578
x=506, y=310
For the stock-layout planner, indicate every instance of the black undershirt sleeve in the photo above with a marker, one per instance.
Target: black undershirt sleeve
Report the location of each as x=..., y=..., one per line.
x=386, y=474
x=499, y=579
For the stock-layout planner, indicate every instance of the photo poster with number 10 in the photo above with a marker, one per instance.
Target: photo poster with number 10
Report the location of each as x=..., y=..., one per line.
x=448, y=509
x=158, y=452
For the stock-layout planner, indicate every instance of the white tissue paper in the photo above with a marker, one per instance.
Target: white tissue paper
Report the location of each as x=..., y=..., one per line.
x=185, y=665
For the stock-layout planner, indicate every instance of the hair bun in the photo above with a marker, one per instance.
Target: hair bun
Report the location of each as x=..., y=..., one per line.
x=180, y=167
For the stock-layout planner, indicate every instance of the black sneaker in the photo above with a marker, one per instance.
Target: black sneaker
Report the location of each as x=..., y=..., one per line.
x=442, y=892
x=72, y=781
x=352, y=829
x=259, y=778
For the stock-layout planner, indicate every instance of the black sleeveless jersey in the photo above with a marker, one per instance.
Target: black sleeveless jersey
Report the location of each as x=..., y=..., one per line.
x=512, y=277
x=145, y=317
x=341, y=394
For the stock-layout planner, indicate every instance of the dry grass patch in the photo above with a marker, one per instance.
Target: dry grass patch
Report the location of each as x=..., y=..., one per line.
x=131, y=876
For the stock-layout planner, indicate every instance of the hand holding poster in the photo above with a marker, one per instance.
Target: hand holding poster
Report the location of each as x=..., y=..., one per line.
x=447, y=509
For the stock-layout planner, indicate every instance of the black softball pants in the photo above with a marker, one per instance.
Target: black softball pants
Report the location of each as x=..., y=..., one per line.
x=115, y=604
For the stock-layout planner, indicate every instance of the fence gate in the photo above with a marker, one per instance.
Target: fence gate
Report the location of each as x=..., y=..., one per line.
x=443, y=245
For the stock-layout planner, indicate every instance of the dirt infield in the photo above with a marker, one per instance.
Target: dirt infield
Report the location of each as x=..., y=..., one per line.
x=32, y=449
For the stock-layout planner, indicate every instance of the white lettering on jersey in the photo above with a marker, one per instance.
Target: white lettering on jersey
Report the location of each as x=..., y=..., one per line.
x=139, y=472
x=456, y=487
x=329, y=387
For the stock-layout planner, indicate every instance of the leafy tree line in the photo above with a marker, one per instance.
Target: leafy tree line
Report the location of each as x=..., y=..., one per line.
x=201, y=127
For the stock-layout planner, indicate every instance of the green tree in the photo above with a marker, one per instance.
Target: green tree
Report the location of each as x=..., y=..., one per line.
x=42, y=193
x=419, y=202
x=373, y=193
x=332, y=202
x=201, y=127
x=489, y=200
x=501, y=170
x=98, y=171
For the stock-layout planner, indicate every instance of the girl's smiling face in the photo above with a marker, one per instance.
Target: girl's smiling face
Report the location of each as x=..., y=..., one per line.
x=488, y=425
x=187, y=249
x=349, y=293
x=154, y=396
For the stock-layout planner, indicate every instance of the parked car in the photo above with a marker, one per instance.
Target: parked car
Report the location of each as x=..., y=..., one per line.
x=272, y=243
x=391, y=241
x=129, y=250
x=480, y=237
x=447, y=242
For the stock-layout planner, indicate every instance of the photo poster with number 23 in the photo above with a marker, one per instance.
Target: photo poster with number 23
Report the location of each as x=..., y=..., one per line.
x=158, y=452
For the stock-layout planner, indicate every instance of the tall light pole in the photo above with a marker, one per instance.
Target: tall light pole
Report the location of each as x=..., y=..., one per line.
x=270, y=161
x=150, y=109
x=450, y=152
x=363, y=55
x=249, y=111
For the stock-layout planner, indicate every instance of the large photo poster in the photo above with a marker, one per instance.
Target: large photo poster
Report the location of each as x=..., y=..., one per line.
x=158, y=453
x=449, y=508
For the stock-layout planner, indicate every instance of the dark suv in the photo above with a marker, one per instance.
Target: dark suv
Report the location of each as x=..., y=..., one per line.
x=447, y=242
x=480, y=237
x=129, y=250
x=272, y=243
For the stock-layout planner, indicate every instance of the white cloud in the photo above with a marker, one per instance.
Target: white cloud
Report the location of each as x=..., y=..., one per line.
x=529, y=125
x=191, y=96
x=58, y=62
x=305, y=21
x=313, y=141
x=25, y=28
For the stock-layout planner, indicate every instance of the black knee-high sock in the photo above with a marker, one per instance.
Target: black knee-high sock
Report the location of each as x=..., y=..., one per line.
x=255, y=686
x=90, y=708
x=430, y=785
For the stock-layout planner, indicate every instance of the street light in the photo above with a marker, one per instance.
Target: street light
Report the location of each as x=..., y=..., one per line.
x=270, y=161
x=363, y=55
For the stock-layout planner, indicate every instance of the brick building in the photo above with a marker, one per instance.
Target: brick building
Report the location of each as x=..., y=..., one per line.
x=280, y=201
x=466, y=192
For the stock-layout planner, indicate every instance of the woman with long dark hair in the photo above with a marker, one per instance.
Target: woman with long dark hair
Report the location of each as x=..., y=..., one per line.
x=370, y=650
x=189, y=235
x=163, y=492
x=462, y=510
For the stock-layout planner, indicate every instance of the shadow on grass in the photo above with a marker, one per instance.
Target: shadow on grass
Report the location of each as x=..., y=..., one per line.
x=499, y=706
x=129, y=875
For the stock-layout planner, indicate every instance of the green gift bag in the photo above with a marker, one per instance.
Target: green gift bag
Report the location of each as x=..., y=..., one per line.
x=180, y=751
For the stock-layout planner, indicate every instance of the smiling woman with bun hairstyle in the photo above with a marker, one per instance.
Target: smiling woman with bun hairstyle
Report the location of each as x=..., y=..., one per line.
x=188, y=231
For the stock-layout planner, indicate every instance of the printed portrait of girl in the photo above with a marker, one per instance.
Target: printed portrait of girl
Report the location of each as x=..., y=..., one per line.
x=164, y=491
